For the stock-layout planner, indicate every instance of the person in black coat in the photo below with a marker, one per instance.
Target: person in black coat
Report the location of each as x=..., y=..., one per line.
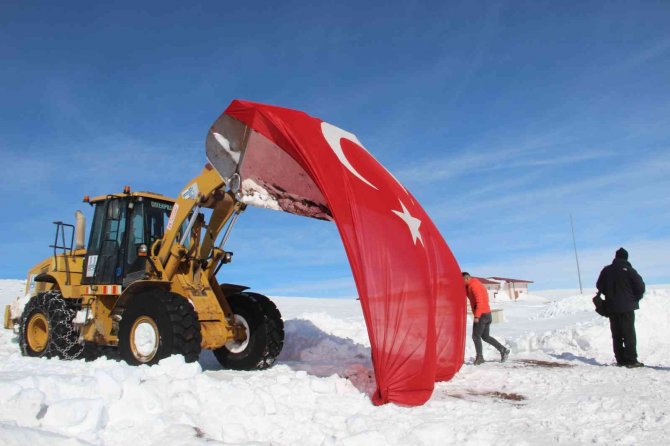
x=623, y=288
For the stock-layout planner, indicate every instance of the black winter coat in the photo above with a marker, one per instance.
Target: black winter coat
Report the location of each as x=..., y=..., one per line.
x=622, y=286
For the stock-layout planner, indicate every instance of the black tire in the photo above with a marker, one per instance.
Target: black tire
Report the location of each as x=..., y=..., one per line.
x=50, y=313
x=176, y=325
x=266, y=337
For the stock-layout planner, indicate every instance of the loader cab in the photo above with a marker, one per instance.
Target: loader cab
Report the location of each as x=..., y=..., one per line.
x=124, y=227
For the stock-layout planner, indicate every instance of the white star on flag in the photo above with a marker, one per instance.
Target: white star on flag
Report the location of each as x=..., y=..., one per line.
x=413, y=223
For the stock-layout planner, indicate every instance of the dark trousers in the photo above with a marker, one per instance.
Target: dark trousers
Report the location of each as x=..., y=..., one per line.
x=623, y=337
x=480, y=330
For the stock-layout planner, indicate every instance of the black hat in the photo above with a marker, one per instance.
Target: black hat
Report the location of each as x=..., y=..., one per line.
x=621, y=254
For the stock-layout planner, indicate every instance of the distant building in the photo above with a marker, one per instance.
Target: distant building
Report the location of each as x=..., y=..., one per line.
x=511, y=288
x=491, y=285
x=514, y=288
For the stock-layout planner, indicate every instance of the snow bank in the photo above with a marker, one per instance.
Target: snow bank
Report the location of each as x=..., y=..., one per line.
x=317, y=394
x=566, y=306
x=10, y=290
x=591, y=340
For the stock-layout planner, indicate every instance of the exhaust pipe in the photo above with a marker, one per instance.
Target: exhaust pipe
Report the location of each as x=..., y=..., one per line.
x=80, y=230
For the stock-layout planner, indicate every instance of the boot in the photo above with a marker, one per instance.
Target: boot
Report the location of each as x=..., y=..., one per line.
x=634, y=365
x=479, y=360
x=504, y=354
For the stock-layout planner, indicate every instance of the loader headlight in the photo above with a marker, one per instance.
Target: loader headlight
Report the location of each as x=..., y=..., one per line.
x=142, y=250
x=227, y=257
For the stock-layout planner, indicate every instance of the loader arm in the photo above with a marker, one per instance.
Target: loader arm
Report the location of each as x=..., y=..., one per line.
x=207, y=190
x=187, y=258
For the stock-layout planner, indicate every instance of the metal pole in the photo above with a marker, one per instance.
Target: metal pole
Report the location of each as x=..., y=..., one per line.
x=187, y=232
x=228, y=229
x=574, y=244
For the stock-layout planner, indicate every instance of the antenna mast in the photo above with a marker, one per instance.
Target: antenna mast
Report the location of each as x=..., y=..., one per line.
x=574, y=244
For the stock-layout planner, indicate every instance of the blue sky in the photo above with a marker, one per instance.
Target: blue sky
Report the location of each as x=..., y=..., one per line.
x=502, y=118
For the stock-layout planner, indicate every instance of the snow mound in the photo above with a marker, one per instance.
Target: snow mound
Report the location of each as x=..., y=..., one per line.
x=345, y=328
x=533, y=298
x=318, y=392
x=591, y=341
x=9, y=290
x=566, y=306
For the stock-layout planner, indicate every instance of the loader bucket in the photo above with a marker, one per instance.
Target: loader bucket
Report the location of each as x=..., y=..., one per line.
x=270, y=177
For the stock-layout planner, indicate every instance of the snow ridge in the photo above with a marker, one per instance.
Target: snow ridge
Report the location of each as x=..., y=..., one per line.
x=558, y=387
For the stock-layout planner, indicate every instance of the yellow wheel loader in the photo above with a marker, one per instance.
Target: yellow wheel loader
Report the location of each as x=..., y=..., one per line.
x=145, y=287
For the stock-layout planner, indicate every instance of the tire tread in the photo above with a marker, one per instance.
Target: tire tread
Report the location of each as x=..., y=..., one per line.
x=63, y=340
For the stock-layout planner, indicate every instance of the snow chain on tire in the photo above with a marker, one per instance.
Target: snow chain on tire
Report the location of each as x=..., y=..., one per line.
x=275, y=330
x=63, y=339
x=266, y=337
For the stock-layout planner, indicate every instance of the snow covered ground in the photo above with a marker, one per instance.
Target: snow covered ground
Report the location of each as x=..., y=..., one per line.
x=558, y=387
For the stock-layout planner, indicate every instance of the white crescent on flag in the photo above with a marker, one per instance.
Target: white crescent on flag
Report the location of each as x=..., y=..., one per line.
x=333, y=136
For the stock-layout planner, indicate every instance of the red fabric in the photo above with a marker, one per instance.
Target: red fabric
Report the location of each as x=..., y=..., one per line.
x=478, y=296
x=410, y=287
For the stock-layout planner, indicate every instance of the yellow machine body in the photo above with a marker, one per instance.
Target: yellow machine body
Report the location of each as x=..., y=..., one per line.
x=183, y=261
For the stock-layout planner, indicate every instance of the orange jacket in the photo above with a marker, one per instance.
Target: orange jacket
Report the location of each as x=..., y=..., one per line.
x=478, y=296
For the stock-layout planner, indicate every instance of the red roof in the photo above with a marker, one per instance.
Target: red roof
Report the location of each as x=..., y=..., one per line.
x=486, y=281
x=512, y=280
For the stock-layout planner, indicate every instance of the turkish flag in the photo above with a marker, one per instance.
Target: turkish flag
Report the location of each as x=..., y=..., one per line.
x=409, y=283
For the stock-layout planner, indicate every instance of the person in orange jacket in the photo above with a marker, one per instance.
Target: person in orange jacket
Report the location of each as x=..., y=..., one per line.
x=481, y=312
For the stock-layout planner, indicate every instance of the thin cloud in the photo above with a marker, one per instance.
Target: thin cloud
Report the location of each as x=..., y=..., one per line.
x=557, y=269
x=338, y=287
x=493, y=160
x=645, y=56
x=566, y=159
x=637, y=175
